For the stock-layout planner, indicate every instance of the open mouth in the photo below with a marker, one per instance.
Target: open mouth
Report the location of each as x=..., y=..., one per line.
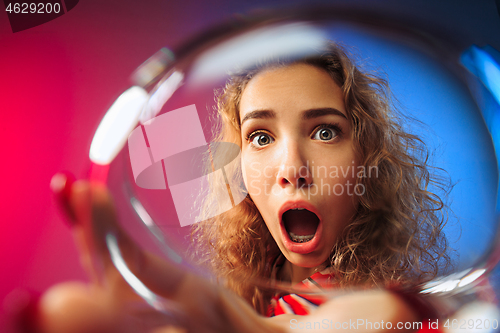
x=300, y=224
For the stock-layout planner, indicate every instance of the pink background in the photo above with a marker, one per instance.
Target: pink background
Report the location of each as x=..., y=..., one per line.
x=57, y=79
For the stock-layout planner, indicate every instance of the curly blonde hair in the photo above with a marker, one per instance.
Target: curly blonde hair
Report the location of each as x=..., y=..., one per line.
x=396, y=235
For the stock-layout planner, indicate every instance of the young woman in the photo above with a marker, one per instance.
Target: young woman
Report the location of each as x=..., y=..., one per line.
x=337, y=196
x=334, y=182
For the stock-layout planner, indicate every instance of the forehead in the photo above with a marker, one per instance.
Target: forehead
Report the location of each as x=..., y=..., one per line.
x=297, y=87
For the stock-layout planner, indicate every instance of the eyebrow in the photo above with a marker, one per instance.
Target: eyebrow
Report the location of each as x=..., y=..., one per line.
x=315, y=113
x=259, y=114
x=306, y=115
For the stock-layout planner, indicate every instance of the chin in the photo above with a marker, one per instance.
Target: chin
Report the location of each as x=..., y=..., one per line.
x=309, y=260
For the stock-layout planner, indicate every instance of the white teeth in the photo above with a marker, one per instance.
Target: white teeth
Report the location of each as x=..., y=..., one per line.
x=299, y=238
x=299, y=208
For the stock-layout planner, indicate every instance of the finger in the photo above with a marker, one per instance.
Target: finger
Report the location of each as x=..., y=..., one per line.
x=75, y=307
x=79, y=308
x=169, y=329
x=73, y=201
x=61, y=184
x=90, y=232
x=79, y=203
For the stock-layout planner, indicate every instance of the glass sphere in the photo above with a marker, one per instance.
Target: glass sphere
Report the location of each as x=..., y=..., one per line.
x=165, y=169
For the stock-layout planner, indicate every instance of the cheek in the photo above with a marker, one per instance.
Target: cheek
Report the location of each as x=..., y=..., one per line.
x=257, y=185
x=255, y=176
x=335, y=168
x=336, y=182
x=246, y=171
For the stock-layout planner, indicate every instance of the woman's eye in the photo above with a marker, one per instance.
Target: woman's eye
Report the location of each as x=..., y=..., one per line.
x=261, y=139
x=325, y=134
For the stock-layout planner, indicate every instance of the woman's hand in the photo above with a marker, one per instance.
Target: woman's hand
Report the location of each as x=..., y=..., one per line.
x=376, y=310
x=109, y=304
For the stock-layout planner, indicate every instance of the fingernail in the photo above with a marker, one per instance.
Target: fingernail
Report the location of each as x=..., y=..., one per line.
x=61, y=184
x=23, y=307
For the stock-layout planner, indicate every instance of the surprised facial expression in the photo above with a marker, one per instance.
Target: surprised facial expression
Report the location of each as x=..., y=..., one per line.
x=299, y=165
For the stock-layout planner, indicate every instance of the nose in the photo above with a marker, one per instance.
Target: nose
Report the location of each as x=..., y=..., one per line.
x=294, y=169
